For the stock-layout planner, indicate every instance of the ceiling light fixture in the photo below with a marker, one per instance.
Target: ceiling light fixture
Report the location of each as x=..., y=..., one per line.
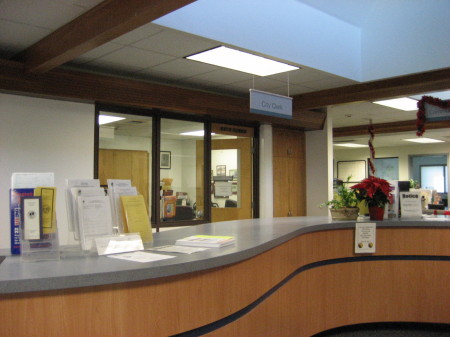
x=405, y=103
x=199, y=133
x=350, y=145
x=103, y=119
x=241, y=61
x=423, y=140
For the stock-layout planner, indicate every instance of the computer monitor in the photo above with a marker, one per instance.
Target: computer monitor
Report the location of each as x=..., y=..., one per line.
x=403, y=186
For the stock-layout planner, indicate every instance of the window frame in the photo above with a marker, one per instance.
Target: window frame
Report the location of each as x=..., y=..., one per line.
x=157, y=115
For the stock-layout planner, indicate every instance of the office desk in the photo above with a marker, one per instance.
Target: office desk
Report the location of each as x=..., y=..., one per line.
x=283, y=277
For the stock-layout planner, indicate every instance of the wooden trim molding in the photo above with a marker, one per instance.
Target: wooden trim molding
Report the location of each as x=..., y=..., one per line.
x=402, y=126
x=309, y=284
x=87, y=87
x=435, y=80
x=101, y=24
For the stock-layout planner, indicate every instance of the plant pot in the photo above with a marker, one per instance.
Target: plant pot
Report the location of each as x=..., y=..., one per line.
x=346, y=213
x=376, y=213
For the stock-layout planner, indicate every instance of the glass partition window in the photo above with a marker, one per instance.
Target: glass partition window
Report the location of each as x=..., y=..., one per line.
x=434, y=178
x=181, y=170
x=125, y=150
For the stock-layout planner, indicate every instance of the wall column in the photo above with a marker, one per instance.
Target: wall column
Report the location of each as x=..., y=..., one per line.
x=265, y=172
x=319, y=168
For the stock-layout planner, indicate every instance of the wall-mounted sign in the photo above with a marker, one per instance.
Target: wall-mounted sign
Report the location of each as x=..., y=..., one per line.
x=266, y=103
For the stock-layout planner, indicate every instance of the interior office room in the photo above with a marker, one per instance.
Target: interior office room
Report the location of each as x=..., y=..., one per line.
x=206, y=162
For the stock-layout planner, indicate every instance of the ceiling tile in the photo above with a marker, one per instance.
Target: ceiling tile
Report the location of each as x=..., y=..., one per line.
x=42, y=13
x=140, y=33
x=184, y=68
x=175, y=43
x=134, y=57
x=224, y=76
x=98, y=52
x=292, y=90
x=110, y=68
x=149, y=74
x=83, y=3
x=16, y=37
x=260, y=83
x=302, y=75
x=329, y=83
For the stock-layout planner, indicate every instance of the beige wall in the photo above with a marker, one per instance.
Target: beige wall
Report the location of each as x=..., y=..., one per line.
x=402, y=152
x=41, y=135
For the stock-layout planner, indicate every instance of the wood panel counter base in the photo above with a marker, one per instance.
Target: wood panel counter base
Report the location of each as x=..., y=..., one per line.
x=308, y=284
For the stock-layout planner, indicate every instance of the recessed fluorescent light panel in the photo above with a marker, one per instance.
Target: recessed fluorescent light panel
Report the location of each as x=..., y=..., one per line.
x=103, y=119
x=350, y=145
x=424, y=140
x=241, y=61
x=199, y=133
x=406, y=104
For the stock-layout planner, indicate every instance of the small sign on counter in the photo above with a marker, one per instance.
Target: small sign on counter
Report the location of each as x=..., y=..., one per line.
x=411, y=205
x=365, y=238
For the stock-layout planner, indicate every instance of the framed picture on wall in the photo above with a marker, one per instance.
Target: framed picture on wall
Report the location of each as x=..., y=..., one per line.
x=386, y=168
x=354, y=168
x=221, y=170
x=165, y=159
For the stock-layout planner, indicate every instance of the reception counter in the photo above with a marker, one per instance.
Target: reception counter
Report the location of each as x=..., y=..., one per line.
x=282, y=277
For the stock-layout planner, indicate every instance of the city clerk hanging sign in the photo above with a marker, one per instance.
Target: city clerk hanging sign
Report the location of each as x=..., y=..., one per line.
x=266, y=103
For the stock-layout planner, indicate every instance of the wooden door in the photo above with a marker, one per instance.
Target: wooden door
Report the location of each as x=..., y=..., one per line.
x=244, y=209
x=125, y=164
x=289, y=178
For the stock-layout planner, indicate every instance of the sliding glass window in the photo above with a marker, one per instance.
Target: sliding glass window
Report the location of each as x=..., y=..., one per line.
x=181, y=163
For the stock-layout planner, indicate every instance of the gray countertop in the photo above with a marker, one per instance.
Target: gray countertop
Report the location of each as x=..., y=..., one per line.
x=252, y=238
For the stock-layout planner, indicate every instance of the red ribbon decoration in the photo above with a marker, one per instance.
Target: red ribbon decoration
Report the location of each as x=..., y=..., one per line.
x=421, y=118
x=372, y=149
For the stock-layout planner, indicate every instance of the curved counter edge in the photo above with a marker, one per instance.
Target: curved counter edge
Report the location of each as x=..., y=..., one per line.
x=253, y=237
x=307, y=284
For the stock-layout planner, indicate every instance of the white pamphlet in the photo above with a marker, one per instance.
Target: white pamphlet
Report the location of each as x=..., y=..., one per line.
x=117, y=209
x=113, y=244
x=94, y=215
x=178, y=249
x=72, y=208
x=140, y=256
x=114, y=184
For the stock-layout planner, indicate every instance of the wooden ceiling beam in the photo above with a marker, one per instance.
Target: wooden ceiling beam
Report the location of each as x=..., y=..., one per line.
x=105, y=22
x=393, y=127
x=87, y=87
x=414, y=84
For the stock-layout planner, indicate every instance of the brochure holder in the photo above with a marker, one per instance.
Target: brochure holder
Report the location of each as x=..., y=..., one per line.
x=44, y=249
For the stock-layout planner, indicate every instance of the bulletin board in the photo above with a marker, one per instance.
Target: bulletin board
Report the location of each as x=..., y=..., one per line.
x=386, y=168
x=354, y=168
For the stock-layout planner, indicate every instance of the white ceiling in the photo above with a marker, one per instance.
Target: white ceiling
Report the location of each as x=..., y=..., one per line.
x=155, y=53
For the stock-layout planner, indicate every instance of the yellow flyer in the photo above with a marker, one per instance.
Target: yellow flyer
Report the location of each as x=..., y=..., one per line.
x=48, y=195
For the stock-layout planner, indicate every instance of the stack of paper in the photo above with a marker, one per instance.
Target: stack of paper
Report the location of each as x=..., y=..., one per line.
x=116, y=189
x=208, y=241
x=89, y=210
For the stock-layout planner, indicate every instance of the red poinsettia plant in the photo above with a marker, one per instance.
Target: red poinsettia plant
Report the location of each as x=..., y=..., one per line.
x=374, y=191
